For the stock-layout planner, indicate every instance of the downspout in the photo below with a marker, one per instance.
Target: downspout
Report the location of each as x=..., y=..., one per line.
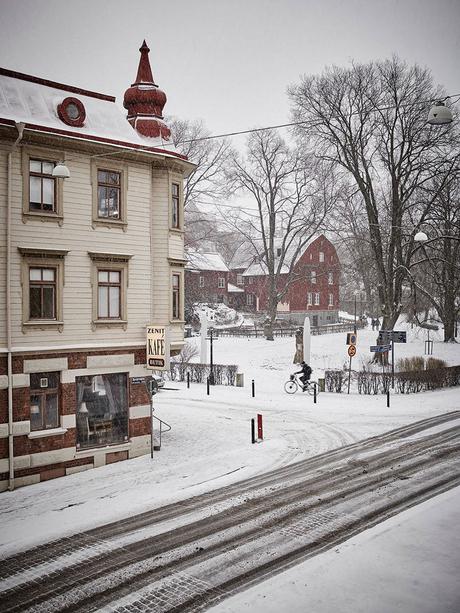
x=20, y=128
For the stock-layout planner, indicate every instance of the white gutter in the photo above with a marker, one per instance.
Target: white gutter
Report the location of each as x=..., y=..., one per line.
x=20, y=128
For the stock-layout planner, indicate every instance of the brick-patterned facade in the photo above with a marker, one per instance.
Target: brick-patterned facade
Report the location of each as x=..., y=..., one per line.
x=26, y=447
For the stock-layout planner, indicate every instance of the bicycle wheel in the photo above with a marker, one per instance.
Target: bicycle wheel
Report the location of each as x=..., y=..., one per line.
x=290, y=387
x=311, y=389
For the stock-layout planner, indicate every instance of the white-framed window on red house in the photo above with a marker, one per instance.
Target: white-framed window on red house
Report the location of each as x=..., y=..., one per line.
x=249, y=299
x=321, y=256
x=317, y=298
x=331, y=299
x=201, y=282
x=313, y=276
x=221, y=282
x=330, y=278
x=309, y=299
x=239, y=279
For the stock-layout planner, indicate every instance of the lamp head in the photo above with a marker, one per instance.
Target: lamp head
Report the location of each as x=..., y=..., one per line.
x=439, y=114
x=420, y=237
x=60, y=171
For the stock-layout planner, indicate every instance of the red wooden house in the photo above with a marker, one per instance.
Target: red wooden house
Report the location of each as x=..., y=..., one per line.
x=314, y=286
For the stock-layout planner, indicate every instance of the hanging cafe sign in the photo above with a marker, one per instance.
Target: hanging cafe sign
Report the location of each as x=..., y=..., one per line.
x=157, y=348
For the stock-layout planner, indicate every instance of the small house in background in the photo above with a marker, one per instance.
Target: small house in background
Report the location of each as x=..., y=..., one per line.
x=206, y=278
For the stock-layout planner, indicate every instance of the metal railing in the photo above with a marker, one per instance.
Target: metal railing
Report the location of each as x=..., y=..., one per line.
x=288, y=331
x=168, y=426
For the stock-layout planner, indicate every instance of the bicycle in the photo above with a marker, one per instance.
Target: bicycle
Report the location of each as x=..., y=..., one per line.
x=295, y=383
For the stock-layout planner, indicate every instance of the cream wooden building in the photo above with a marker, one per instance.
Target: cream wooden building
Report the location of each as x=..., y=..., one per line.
x=87, y=263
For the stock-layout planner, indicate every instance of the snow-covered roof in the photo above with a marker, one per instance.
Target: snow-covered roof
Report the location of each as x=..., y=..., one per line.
x=234, y=289
x=34, y=101
x=205, y=261
x=258, y=268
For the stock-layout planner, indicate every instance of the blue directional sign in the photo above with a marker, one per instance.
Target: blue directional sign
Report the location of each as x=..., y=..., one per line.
x=380, y=348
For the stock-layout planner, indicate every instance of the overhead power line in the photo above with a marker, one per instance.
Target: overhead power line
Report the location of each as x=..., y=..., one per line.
x=297, y=123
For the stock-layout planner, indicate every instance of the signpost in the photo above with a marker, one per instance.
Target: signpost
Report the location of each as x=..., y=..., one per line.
x=395, y=336
x=351, y=353
x=380, y=348
x=157, y=359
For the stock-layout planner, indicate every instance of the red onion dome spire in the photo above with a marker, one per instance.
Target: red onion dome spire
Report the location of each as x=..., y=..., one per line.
x=145, y=101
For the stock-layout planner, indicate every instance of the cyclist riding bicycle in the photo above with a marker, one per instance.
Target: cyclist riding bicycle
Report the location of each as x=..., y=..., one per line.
x=306, y=374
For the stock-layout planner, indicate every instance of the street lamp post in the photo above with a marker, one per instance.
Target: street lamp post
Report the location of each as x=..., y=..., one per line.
x=354, y=326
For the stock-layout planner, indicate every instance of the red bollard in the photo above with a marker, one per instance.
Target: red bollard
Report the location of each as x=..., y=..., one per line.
x=260, y=433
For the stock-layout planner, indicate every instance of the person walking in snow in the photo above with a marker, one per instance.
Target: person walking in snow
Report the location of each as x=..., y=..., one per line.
x=306, y=374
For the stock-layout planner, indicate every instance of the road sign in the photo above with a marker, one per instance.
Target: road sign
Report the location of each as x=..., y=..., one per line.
x=351, y=338
x=380, y=348
x=157, y=348
x=351, y=350
x=397, y=336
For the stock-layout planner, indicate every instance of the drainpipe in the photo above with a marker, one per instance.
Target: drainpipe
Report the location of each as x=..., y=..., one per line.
x=20, y=128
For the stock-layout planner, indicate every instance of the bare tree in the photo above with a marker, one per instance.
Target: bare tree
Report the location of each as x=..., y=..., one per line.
x=207, y=181
x=290, y=203
x=437, y=274
x=370, y=120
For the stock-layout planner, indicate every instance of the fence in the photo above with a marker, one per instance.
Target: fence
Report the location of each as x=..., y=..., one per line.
x=288, y=331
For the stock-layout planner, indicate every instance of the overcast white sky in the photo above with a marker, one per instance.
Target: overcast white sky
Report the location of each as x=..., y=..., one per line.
x=225, y=61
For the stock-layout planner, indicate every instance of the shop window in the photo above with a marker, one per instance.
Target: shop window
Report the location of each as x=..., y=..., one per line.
x=44, y=400
x=102, y=410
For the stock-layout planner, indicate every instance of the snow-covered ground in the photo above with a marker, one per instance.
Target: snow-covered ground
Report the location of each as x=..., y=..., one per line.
x=210, y=445
x=408, y=564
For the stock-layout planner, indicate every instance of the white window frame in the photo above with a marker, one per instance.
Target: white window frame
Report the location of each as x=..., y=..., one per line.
x=309, y=299
x=331, y=299
x=330, y=278
x=249, y=299
x=201, y=282
x=316, y=298
x=221, y=282
x=313, y=277
x=239, y=279
x=321, y=256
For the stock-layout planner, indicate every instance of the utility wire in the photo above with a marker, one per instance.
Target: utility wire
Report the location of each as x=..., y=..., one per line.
x=296, y=123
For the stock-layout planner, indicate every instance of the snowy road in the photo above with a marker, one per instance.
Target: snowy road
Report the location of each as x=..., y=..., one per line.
x=189, y=555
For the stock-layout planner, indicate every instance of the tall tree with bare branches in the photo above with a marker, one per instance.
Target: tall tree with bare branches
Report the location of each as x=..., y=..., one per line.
x=370, y=120
x=291, y=198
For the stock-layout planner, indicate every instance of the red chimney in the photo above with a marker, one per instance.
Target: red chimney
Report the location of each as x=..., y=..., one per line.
x=144, y=101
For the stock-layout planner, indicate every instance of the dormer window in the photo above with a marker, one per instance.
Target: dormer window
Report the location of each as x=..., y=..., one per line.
x=72, y=112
